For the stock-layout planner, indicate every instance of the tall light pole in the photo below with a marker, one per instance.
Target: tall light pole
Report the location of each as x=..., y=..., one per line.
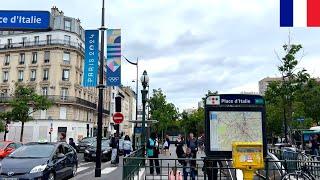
x=145, y=81
x=137, y=89
x=100, y=105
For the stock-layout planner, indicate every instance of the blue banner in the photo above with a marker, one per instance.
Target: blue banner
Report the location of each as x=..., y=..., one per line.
x=113, y=57
x=24, y=20
x=91, y=58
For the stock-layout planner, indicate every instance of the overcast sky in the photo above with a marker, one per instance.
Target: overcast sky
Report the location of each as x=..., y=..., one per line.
x=191, y=46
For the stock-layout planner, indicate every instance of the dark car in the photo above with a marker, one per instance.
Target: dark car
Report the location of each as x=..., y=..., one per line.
x=40, y=161
x=84, y=143
x=7, y=147
x=106, y=151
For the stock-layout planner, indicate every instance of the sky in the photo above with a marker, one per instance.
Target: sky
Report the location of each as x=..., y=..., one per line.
x=191, y=46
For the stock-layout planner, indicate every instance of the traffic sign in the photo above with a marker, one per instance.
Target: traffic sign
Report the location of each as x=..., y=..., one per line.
x=24, y=20
x=118, y=118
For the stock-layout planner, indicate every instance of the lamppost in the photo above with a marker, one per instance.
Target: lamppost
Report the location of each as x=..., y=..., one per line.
x=145, y=81
x=100, y=97
x=137, y=89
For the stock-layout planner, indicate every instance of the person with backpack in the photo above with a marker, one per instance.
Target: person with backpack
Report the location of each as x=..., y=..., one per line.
x=152, y=152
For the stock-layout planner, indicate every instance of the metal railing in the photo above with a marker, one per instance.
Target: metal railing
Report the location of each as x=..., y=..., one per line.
x=132, y=164
x=52, y=42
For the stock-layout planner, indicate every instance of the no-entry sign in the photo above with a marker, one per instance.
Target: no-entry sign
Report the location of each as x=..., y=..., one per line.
x=117, y=118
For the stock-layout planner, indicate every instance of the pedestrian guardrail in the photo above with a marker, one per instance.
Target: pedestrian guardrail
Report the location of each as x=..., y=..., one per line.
x=133, y=163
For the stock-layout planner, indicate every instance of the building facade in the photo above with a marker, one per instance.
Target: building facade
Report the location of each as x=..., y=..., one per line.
x=52, y=63
x=263, y=84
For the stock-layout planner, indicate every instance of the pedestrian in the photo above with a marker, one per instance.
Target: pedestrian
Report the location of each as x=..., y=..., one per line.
x=114, y=144
x=71, y=143
x=121, y=152
x=166, y=145
x=315, y=145
x=153, y=153
x=62, y=137
x=179, y=148
x=127, y=145
x=192, y=143
x=201, y=141
x=189, y=165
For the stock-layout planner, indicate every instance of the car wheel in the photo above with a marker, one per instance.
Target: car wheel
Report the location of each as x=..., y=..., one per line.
x=74, y=170
x=51, y=176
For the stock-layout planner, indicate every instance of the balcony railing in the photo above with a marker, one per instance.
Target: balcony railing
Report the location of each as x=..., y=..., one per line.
x=53, y=42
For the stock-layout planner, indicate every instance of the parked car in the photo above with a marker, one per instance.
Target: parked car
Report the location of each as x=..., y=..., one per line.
x=84, y=143
x=106, y=151
x=7, y=147
x=40, y=161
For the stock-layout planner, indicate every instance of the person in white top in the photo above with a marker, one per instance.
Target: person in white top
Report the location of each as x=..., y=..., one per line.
x=127, y=145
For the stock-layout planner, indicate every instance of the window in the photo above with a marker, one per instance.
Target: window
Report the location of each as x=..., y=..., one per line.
x=65, y=75
x=67, y=25
x=46, y=56
x=20, y=75
x=36, y=40
x=5, y=76
x=67, y=39
x=66, y=58
x=63, y=113
x=45, y=74
x=22, y=58
x=7, y=60
x=24, y=41
x=49, y=39
x=33, y=75
x=64, y=93
x=34, y=57
x=44, y=91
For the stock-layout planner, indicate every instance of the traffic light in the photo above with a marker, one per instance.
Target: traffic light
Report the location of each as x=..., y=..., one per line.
x=118, y=104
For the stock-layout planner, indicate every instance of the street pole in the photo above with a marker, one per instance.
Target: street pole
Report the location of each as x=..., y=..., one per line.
x=144, y=93
x=100, y=105
x=284, y=114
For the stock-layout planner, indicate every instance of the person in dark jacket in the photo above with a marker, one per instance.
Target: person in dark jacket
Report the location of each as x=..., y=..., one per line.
x=71, y=143
x=192, y=143
x=179, y=148
x=189, y=165
x=114, y=144
x=153, y=152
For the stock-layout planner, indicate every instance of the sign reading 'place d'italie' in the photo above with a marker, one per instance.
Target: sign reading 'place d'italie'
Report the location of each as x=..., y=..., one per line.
x=24, y=20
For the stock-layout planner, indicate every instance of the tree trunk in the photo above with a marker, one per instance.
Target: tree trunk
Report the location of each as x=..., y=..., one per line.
x=21, y=133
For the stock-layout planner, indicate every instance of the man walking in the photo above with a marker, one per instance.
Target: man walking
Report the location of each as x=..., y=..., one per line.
x=192, y=143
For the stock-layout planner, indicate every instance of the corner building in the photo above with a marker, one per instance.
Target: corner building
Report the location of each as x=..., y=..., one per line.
x=52, y=63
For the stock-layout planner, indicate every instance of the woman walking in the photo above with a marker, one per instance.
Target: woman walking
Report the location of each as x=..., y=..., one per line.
x=127, y=145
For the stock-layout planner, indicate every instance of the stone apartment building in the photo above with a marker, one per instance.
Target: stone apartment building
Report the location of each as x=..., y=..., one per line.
x=52, y=63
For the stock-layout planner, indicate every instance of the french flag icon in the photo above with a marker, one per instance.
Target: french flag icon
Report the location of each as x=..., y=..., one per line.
x=299, y=13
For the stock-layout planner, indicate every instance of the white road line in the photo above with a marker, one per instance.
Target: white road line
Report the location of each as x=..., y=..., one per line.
x=229, y=170
x=83, y=164
x=82, y=169
x=108, y=170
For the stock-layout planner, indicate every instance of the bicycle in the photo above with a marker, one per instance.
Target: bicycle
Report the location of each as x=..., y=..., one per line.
x=304, y=172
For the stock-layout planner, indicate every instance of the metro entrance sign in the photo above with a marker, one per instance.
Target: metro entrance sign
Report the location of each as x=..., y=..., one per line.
x=24, y=20
x=117, y=118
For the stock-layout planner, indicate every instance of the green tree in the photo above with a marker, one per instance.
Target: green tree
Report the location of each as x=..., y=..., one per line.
x=24, y=102
x=166, y=113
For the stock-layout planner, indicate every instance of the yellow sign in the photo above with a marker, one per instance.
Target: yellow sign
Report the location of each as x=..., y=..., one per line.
x=247, y=156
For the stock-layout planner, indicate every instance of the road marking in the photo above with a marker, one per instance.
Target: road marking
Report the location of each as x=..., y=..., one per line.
x=83, y=164
x=229, y=170
x=108, y=170
x=82, y=169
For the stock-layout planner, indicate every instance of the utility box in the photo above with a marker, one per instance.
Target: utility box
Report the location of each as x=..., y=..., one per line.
x=248, y=156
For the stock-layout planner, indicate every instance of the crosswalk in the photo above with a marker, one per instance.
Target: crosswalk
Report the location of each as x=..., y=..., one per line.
x=84, y=167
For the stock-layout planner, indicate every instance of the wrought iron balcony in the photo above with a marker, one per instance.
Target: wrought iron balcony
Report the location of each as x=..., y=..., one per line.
x=53, y=42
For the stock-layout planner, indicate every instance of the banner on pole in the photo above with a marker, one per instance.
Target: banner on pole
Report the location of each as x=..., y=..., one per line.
x=113, y=57
x=91, y=58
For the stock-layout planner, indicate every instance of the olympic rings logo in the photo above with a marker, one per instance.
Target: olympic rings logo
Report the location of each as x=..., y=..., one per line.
x=113, y=79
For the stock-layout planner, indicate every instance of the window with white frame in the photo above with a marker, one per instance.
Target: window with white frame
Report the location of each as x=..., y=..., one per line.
x=5, y=76
x=20, y=75
x=7, y=60
x=66, y=57
x=67, y=39
x=34, y=57
x=63, y=112
x=33, y=75
x=46, y=56
x=36, y=40
x=65, y=74
x=64, y=93
x=22, y=58
x=45, y=74
x=67, y=25
x=44, y=91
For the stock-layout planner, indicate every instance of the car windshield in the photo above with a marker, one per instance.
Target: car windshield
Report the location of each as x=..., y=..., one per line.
x=104, y=143
x=2, y=145
x=33, y=151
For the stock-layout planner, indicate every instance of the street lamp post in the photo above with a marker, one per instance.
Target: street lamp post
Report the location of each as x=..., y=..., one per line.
x=137, y=89
x=100, y=100
x=145, y=81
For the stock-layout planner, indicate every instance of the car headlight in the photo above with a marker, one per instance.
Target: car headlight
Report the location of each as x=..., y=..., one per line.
x=86, y=151
x=39, y=168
